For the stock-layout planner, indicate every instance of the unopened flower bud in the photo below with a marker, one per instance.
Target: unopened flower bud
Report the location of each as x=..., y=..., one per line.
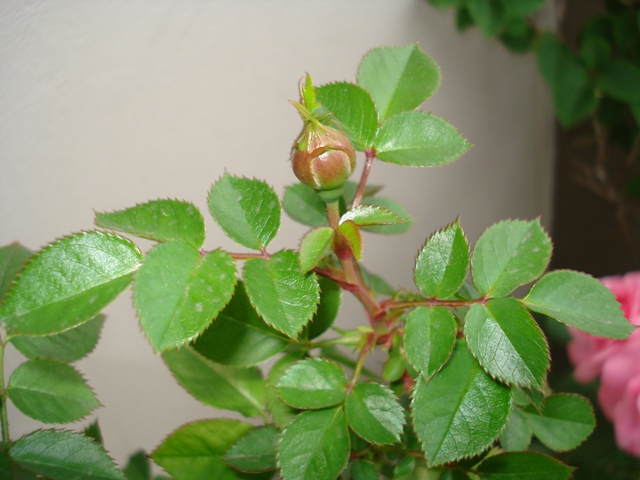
x=323, y=157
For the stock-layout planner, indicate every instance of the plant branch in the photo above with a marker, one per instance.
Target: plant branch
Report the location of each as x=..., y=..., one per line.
x=433, y=302
x=3, y=398
x=370, y=156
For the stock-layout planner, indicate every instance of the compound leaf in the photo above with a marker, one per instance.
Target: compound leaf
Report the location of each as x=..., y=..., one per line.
x=159, y=220
x=219, y=386
x=580, y=301
x=63, y=455
x=419, y=139
x=178, y=292
x=283, y=296
x=69, y=282
x=460, y=410
x=247, y=210
x=398, y=78
x=51, y=391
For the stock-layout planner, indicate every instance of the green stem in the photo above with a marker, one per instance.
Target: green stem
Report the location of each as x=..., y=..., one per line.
x=3, y=398
x=370, y=156
x=361, y=358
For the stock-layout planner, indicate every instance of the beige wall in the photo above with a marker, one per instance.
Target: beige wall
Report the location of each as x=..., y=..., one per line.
x=107, y=103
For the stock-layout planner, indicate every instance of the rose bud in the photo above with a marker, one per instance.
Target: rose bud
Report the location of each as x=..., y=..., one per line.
x=323, y=157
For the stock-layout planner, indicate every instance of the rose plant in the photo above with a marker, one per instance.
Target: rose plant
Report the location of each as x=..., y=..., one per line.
x=463, y=389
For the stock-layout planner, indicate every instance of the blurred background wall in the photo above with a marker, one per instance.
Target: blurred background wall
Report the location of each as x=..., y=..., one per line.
x=104, y=104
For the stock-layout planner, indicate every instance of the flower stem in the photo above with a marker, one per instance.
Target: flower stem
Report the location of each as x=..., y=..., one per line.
x=3, y=397
x=370, y=156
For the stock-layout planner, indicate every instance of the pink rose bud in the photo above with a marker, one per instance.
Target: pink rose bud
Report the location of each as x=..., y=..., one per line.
x=323, y=157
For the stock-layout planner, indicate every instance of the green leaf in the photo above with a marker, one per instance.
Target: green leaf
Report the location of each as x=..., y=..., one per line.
x=443, y=262
x=507, y=342
x=595, y=51
x=374, y=413
x=419, y=139
x=93, y=431
x=453, y=475
x=404, y=467
x=63, y=455
x=69, y=282
x=51, y=391
x=315, y=445
x=580, y=301
x=429, y=337
x=195, y=451
x=12, y=259
x=517, y=435
x=460, y=411
x=281, y=413
x=488, y=14
x=159, y=220
x=219, y=386
x=523, y=8
x=564, y=423
x=353, y=111
x=398, y=78
x=367, y=215
x=313, y=383
x=393, y=207
x=509, y=254
x=522, y=466
x=377, y=284
x=178, y=292
x=328, y=308
x=138, y=467
x=362, y=470
x=238, y=336
x=10, y=471
x=350, y=233
x=574, y=95
x=620, y=80
x=303, y=205
x=314, y=246
x=247, y=210
x=283, y=296
x=68, y=346
x=254, y=451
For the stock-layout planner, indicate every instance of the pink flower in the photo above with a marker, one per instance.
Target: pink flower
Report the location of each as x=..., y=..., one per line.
x=617, y=362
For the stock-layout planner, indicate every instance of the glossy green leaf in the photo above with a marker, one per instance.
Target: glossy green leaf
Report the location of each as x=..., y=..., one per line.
x=620, y=80
x=509, y=254
x=522, y=466
x=580, y=301
x=398, y=78
x=393, y=368
x=238, y=336
x=374, y=413
x=517, y=435
x=489, y=15
x=429, y=337
x=68, y=346
x=507, y=342
x=283, y=296
x=63, y=455
x=138, y=467
x=328, y=308
x=574, y=95
x=443, y=262
x=350, y=233
x=315, y=445
x=12, y=259
x=178, y=292
x=393, y=207
x=315, y=244
x=460, y=411
x=419, y=139
x=353, y=110
x=219, y=386
x=367, y=215
x=159, y=220
x=255, y=451
x=9, y=470
x=281, y=413
x=51, y=391
x=313, y=383
x=247, y=210
x=69, y=282
x=93, y=431
x=303, y=205
x=564, y=423
x=404, y=467
x=196, y=450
